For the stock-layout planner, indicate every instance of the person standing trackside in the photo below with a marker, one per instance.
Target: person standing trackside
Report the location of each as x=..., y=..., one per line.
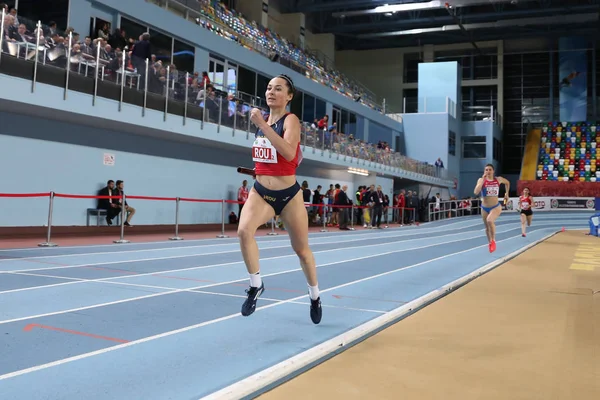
x=242, y=196
x=377, y=200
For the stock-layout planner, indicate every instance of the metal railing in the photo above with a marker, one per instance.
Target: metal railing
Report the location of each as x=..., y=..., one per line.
x=167, y=88
x=453, y=208
x=268, y=44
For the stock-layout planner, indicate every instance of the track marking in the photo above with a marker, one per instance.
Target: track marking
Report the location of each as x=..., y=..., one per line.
x=111, y=279
x=29, y=327
x=205, y=286
x=266, y=248
x=340, y=296
x=426, y=225
x=255, y=384
x=291, y=302
x=355, y=238
x=133, y=274
x=225, y=318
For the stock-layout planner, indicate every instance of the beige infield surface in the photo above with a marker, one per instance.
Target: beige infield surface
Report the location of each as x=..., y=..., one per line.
x=529, y=329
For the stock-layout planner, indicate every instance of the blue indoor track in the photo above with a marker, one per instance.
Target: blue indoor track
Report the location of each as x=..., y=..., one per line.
x=162, y=320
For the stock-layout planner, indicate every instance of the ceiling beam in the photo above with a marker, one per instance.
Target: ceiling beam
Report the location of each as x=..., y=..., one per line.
x=313, y=6
x=400, y=42
x=425, y=22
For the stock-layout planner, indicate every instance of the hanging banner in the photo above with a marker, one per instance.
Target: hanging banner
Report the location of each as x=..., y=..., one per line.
x=572, y=75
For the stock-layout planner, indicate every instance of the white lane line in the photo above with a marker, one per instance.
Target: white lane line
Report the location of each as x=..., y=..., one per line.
x=292, y=302
x=71, y=281
x=231, y=316
x=321, y=235
x=229, y=251
x=265, y=248
x=109, y=279
x=370, y=256
x=345, y=239
x=252, y=385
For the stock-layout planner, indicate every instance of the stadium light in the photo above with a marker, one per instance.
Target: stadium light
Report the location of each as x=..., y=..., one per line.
x=358, y=171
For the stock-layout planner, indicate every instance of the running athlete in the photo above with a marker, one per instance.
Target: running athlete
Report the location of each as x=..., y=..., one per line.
x=525, y=205
x=276, y=154
x=489, y=187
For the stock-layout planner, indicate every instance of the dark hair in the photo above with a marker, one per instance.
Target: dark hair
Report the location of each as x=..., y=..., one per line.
x=490, y=165
x=290, y=84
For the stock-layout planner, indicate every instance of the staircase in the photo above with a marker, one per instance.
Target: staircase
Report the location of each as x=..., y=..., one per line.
x=530, y=155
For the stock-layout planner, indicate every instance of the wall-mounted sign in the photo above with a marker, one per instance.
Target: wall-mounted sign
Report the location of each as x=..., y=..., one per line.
x=109, y=159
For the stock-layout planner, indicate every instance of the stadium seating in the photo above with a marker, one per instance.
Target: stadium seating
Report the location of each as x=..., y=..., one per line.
x=568, y=152
x=231, y=25
x=226, y=107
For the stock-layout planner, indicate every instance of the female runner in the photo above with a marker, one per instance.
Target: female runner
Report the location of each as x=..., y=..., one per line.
x=489, y=186
x=276, y=154
x=525, y=205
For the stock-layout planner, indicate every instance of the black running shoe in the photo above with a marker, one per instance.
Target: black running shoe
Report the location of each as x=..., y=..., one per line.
x=250, y=304
x=316, y=312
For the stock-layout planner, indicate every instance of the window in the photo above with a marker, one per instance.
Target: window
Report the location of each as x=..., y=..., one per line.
x=497, y=150
x=30, y=11
x=162, y=46
x=474, y=147
x=452, y=143
x=351, y=129
x=183, y=56
x=320, y=109
x=411, y=101
x=132, y=29
x=411, y=67
x=308, y=114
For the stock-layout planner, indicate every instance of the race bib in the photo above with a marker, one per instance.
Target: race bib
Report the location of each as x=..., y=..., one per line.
x=492, y=191
x=263, y=151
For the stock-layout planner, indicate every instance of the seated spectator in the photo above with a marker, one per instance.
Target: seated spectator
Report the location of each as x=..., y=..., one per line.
x=130, y=211
x=110, y=205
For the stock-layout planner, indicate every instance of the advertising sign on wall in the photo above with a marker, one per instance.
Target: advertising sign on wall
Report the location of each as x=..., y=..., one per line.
x=555, y=203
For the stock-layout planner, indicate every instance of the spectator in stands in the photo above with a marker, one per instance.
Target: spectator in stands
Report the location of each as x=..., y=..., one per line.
x=117, y=39
x=141, y=51
x=19, y=34
x=104, y=31
x=86, y=47
x=322, y=124
x=205, y=79
x=110, y=205
x=242, y=195
x=9, y=25
x=130, y=211
x=13, y=12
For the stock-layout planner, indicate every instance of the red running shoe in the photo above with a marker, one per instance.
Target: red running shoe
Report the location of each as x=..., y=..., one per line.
x=492, y=246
